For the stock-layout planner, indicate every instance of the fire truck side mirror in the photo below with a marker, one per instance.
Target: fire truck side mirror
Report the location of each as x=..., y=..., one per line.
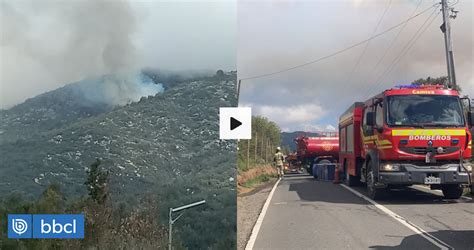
x=370, y=119
x=470, y=118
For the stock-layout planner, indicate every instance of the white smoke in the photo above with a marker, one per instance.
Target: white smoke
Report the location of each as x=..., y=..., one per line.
x=50, y=43
x=118, y=89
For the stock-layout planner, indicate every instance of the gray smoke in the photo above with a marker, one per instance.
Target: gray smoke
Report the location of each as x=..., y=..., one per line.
x=50, y=43
x=275, y=35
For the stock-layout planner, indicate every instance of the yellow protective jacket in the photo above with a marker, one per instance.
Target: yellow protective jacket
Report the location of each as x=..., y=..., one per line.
x=278, y=159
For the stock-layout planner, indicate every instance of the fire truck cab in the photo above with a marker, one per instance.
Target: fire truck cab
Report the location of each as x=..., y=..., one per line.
x=408, y=135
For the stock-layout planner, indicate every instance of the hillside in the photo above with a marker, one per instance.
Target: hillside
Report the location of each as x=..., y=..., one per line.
x=165, y=146
x=72, y=102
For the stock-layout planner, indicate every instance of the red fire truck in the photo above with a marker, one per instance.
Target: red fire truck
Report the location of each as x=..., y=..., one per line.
x=323, y=148
x=408, y=135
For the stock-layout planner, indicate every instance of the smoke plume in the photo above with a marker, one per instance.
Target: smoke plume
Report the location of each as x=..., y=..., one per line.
x=50, y=43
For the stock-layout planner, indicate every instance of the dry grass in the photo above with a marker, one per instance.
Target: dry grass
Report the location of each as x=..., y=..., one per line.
x=255, y=172
x=251, y=175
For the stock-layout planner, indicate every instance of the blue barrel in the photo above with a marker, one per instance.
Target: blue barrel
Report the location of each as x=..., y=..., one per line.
x=331, y=170
x=322, y=172
x=325, y=172
x=315, y=171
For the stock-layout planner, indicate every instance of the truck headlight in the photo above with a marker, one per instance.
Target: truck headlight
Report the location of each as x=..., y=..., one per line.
x=389, y=167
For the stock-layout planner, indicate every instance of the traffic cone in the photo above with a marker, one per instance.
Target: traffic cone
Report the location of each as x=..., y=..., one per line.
x=337, y=174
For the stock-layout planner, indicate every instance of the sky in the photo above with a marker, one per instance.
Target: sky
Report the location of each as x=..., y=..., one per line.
x=274, y=35
x=47, y=44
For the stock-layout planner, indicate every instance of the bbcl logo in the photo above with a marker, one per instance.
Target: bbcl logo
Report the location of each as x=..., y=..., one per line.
x=19, y=226
x=58, y=226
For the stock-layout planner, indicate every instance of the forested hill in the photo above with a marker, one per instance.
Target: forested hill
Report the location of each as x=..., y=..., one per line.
x=165, y=146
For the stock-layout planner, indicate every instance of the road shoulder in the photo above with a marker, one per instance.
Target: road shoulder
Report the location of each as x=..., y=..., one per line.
x=249, y=205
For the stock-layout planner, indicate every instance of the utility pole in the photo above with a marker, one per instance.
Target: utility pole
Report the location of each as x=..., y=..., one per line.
x=248, y=154
x=255, y=155
x=266, y=149
x=173, y=220
x=446, y=29
x=238, y=91
x=170, y=230
x=269, y=150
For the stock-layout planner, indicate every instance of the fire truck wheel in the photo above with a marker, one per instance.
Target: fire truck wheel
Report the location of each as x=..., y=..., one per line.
x=452, y=191
x=373, y=192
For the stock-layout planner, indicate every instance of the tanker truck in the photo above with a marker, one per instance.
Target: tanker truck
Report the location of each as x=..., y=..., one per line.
x=323, y=148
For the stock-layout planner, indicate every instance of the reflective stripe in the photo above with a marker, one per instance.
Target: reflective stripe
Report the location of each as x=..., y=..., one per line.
x=369, y=138
x=375, y=139
x=384, y=142
x=407, y=132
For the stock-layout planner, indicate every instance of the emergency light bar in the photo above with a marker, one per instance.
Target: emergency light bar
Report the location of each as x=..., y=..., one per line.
x=408, y=86
x=416, y=86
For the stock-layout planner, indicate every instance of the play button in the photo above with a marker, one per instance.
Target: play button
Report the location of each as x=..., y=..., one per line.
x=234, y=123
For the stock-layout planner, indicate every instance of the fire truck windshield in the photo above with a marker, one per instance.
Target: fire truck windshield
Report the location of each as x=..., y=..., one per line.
x=424, y=111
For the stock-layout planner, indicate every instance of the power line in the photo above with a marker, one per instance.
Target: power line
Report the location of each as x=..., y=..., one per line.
x=452, y=4
x=339, y=51
x=356, y=65
x=377, y=83
x=391, y=44
x=404, y=51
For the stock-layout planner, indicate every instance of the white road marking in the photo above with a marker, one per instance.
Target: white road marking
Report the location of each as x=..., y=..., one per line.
x=258, y=224
x=439, y=191
x=418, y=230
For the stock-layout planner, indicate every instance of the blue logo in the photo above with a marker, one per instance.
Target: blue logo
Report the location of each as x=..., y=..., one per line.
x=58, y=226
x=19, y=226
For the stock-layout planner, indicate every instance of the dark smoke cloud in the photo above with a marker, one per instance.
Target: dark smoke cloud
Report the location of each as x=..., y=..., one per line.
x=274, y=35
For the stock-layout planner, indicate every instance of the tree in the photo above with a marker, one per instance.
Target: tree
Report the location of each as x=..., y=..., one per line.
x=220, y=73
x=442, y=80
x=97, y=183
x=266, y=136
x=51, y=201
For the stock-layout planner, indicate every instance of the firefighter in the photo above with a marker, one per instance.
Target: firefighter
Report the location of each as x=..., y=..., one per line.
x=278, y=160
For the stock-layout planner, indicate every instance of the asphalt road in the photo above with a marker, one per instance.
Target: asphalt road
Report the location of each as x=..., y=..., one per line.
x=308, y=214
